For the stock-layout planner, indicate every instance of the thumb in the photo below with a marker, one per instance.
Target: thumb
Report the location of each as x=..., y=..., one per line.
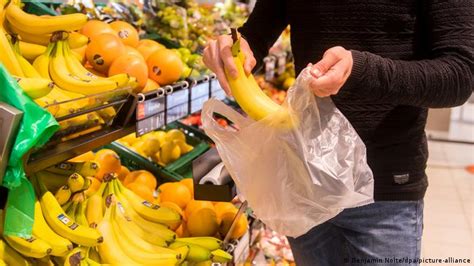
x=323, y=66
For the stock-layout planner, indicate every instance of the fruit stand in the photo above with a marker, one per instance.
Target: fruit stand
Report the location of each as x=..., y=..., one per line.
x=115, y=182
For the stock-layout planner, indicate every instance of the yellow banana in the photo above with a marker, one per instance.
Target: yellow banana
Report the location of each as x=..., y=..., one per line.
x=29, y=247
x=139, y=249
x=44, y=25
x=35, y=87
x=156, y=230
x=64, y=225
x=60, y=246
x=183, y=251
x=221, y=256
x=52, y=181
x=87, y=168
x=41, y=63
x=77, y=69
x=63, y=194
x=81, y=215
x=76, y=182
x=110, y=250
x=196, y=253
x=77, y=40
x=252, y=99
x=61, y=76
x=208, y=242
x=94, y=209
x=7, y=56
x=28, y=70
x=30, y=50
x=148, y=210
x=74, y=257
x=11, y=256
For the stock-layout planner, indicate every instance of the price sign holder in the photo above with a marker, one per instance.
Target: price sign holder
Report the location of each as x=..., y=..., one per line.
x=177, y=103
x=150, y=113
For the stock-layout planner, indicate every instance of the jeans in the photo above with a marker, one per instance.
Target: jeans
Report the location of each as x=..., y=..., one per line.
x=381, y=233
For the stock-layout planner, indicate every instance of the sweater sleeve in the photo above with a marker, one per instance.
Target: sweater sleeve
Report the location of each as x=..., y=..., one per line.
x=264, y=25
x=443, y=79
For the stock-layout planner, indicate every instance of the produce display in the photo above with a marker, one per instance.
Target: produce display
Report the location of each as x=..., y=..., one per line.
x=101, y=212
x=162, y=147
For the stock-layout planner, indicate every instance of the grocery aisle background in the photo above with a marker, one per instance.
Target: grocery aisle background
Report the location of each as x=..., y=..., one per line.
x=448, y=220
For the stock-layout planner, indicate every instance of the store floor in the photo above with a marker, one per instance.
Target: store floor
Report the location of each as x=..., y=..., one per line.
x=448, y=217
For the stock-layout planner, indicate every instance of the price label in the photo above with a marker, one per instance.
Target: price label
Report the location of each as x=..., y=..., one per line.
x=177, y=98
x=200, y=90
x=177, y=112
x=197, y=104
x=150, y=107
x=217, y=91
x=150, y=124
x=150, y=115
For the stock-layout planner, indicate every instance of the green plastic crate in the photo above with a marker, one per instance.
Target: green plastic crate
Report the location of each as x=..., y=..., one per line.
x=41, y=7
x=175, y=171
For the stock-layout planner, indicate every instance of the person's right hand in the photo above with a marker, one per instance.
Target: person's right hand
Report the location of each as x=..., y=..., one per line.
x=218, y=55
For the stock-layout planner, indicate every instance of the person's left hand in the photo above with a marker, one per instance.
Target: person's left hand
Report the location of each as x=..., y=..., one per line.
x=330, y=74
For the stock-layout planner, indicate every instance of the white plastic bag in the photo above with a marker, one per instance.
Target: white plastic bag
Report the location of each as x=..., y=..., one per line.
x=299, y=178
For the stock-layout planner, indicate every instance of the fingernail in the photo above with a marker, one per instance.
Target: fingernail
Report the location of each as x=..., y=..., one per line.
x=316, y=72
x=234, y=73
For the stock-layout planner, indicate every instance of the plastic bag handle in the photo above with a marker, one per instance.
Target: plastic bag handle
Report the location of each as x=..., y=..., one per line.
x=210, y=124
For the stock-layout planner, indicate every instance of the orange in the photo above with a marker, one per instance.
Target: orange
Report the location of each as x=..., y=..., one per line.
x=194, y=205
x=96, y=27
x=132, y=65
x=224, y=207
x=147, y=47
x=108, y=161
x=182, y=230
x=164, y=186
x=177, y=193
x=132, y=51
x=142, y=191
x=189, y=183
x=203, y=222
x=239, y=229
x=150, y=85
x=88, y=156
x=123, y=173
x=126, y=32
x=164, y=66
x=133, y=175
x=146, y=178
x=173, y=206
x=103, y=50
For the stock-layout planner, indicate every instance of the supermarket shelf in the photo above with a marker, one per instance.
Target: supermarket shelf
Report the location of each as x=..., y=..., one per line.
x=69, y=149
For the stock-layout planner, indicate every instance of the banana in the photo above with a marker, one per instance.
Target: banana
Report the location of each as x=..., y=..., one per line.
x=52, y=181
x=210, y=243
x=44, y=25
x=148, y=210
x=41, y=63
x=183, y=251
x=7, y=56
x=35, y=87
x=64, y=225
x=221, y=256
x=94, y=255
x=61, y=76
x=133, y=232
x=94, y=210
x=88, y=168
x=28, y=70
x=77, y=40
x=110, y=250
x=63, y=194
x=77, y=69
x=75, y=257
x=81, y=214
x=11, y=256
x=31, y=51
x=60, y=246
x=76, y=182
x=2, y=263
x=29, y=247
x=196, y=253
x=134, y=245
x=251, y=97
x=153, y=233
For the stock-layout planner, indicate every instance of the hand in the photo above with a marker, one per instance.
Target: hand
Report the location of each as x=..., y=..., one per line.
x=218, y=55
x=331, y=72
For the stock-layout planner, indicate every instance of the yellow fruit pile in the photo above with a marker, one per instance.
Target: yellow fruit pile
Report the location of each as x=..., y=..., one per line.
x=160, y=146
x=102, y=221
